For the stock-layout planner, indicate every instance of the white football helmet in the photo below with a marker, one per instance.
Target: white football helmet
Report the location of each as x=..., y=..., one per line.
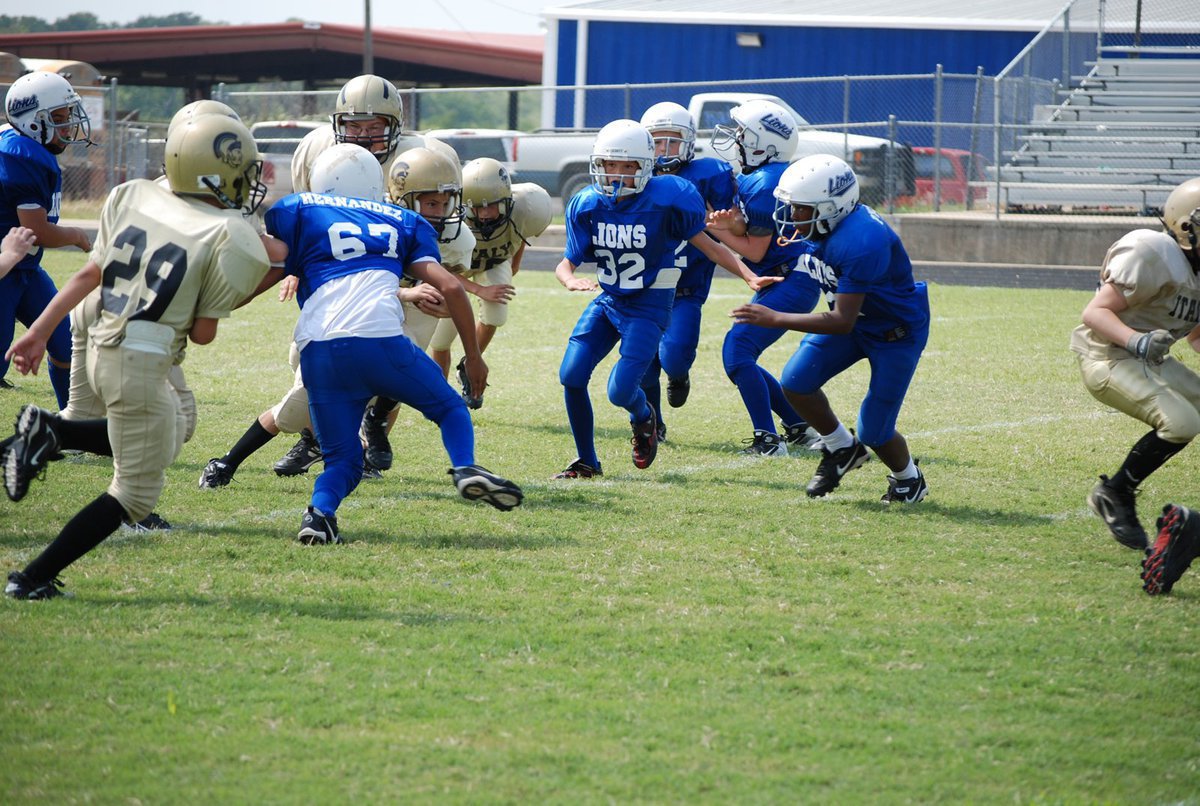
x=423, y=170
x=824, y=184
x=197, y=108
x=347, y=170
x=486, y=181
x=363, y=98
x=765, y=132
x=33, y=98
x=623, y=141
x=1181, y=214
x=214, y=157
x=671, y=117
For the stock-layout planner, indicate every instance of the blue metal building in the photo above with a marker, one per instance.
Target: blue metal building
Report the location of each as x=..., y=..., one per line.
x=615, y=42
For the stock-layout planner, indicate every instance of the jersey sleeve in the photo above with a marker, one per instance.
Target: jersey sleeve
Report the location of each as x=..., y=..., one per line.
x=23, y=182
x=1135, y=268
x=690, y=213
x=104, y=230
x=861, y=266
x=719, y=189
x=578, y=218
x=424, y=244
x=532, y=209
x=758, y=206
x=281, y=222
x=238, y=267
x=456, y=255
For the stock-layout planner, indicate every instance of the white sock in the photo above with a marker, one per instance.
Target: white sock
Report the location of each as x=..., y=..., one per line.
x=907, y=473
x=840, y=438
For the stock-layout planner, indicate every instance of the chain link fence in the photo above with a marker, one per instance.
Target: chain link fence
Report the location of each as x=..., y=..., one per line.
x=1099, y=114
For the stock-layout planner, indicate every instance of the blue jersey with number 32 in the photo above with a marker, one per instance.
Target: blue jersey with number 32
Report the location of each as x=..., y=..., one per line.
x=633, y=241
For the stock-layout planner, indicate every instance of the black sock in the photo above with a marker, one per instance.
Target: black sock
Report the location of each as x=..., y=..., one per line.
x=255, y=437
x=82, y=533
x=83, y=435
x=1149, y=454
x=380, y=408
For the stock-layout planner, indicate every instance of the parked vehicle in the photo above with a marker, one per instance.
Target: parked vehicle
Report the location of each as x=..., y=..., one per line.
x=277, y=141
x=499, y=144
x=558, y=161
x=954, y=165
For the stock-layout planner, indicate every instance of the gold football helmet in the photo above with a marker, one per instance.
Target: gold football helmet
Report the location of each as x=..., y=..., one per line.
x=197, y=108
x=486, y=182
x=214, y=157
x=362, y=99
x=1181, y=214
x=423, y=170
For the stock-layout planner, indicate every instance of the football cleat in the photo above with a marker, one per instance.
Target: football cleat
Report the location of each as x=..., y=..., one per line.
x=661, y=431
x=802, y=435
x=1118, y=510
x=764, y=443
x=471, y=400
x=677, y=390
x=215, y=474
x=374, y=433
x=579, y=470
x=5, y=383
x=906, y=491
x=370, y=472
x=474, y=483
x=833, y=466
x=28, y=454
x=318, y=530
x=303, y=455
x=1177, y=544
x=20, y=586
x=151, y=523
x=645, y=442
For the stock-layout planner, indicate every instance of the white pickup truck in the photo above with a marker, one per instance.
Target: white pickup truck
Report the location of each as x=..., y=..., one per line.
x=558, y=160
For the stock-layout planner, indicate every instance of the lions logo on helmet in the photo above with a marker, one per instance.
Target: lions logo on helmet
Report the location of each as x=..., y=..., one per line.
x=31, y=103
x=813, y=196
x=764, y=132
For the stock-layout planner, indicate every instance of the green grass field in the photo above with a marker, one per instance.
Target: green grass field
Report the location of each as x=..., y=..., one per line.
x=695, y=632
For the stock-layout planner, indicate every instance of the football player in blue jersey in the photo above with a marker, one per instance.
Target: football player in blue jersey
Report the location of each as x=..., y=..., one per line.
x=674, y=134
x=762, y=143
x=629, y=223
x=46, y=115
x=349, y=250
x=879, y=313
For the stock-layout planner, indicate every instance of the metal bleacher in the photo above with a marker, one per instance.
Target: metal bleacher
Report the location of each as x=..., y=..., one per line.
x=1122, y=138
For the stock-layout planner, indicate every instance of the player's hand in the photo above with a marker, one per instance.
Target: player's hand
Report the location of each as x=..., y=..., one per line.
x=581, y=284
x=477, y=374
x=759, y=283
x=723, y=219
x=83, y=241
x=753, y=314
x=20, y=241
x=288, y=286
x=26, y=353
x=1152, y=347
x=500, y=293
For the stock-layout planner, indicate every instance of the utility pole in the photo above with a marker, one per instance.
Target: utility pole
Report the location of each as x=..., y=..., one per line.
x=368, y=56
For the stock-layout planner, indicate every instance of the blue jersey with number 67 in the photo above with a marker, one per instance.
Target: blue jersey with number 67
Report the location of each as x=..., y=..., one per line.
x=633, y=240
x=329, y=237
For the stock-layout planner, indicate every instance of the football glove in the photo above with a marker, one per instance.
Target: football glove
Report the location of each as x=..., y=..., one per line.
x=1152, y=347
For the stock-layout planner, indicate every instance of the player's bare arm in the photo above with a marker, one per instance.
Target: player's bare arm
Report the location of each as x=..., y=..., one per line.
x=273, y=276
x=501, y=292
x=204, y=330
x=565, y=273
x=49, y=234
x=27, y=352
x=724, y=257
x=840, y=320
x=459, y=305
x=1100, y=314
x=18, y=243
x=516, y=259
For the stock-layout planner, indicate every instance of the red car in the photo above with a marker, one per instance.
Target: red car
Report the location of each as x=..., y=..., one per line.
x=953, y=167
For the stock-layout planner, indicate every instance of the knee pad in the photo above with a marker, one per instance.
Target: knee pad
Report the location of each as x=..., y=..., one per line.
x=291, y=413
